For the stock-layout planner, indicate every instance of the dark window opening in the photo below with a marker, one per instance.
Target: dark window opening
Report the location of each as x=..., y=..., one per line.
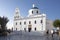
x=35, y=28
x=32, y=12
x=20, y=23
x=37, y=12
x=41, y=21
x=35, y=21
x=24, y=22
x=16, y=23
x=29, y=22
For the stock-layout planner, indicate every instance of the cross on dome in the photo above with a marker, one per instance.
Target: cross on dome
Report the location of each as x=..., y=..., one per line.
x=33, y=5
x=17, y=10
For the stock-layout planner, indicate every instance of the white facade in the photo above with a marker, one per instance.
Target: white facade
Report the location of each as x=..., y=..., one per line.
x=34, y=20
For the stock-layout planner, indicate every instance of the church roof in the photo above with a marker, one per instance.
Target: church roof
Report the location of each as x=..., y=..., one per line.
x=34, y=8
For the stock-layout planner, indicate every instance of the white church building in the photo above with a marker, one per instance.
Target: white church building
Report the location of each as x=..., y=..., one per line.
x=35, y=20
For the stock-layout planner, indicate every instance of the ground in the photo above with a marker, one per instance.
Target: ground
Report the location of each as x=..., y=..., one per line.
x=29, y=36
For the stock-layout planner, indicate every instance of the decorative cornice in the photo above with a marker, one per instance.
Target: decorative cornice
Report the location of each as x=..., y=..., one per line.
x=29, y=18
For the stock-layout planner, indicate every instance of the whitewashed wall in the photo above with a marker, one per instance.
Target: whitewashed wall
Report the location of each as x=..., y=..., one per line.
x=39, y=26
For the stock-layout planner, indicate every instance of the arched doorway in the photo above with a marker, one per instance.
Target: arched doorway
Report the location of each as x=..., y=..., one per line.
x=29, y=28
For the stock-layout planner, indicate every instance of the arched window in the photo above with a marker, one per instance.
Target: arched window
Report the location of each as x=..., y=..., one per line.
x=35, y=22
x=24, y=23
x=32, y=12
x=29, y=22
x=41, y=21
x=16, y=23
x=37, y=12
x=35, y=28
x=20, y=23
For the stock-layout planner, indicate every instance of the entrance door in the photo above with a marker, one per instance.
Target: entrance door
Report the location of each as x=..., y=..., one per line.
x=29, y=28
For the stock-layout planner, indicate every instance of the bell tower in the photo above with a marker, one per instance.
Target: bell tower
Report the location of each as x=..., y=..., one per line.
x=17, y=13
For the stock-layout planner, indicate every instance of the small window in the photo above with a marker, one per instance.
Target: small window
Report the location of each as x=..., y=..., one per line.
x=16, y=23
x=20, y=23
x=24, y=23
x=29, y=22
x=16, y=28
x=37, y=12
x=35, y=22
x=32, y=12
x=35, y=28
x=41, y=21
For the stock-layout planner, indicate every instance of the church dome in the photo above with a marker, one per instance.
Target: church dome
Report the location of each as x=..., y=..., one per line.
x=34, y=8
x=34, y=11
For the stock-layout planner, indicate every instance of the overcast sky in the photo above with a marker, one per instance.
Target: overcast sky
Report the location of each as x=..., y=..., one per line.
x=50, y=7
